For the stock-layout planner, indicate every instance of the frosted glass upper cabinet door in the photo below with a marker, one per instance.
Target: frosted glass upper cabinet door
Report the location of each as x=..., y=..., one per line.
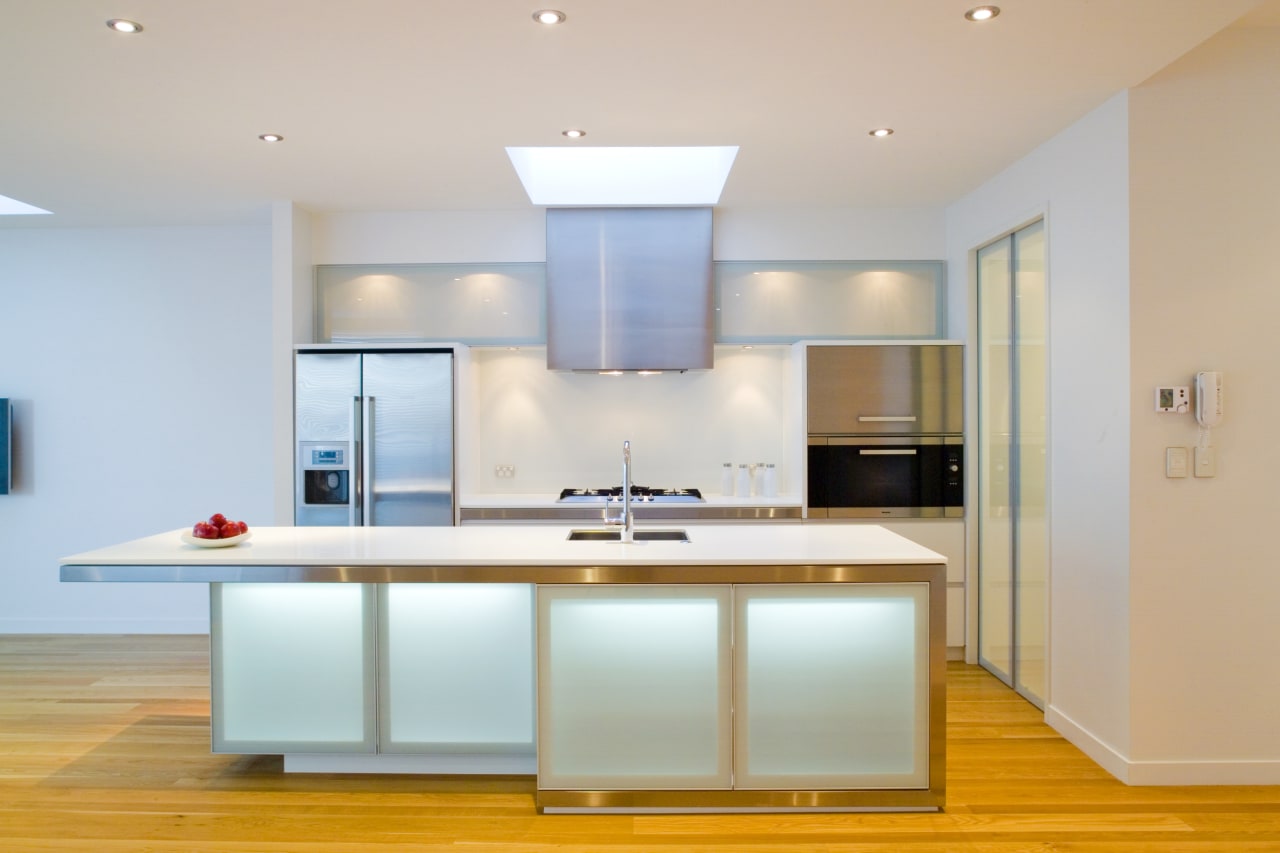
x=456, y=671
x=634, y=687
x=832, y=686
x=292, y=667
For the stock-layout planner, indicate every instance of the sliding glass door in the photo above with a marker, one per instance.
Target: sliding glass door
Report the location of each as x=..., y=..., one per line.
x=1012, y=461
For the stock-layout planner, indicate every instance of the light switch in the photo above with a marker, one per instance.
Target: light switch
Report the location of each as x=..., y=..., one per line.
x=1175, y=462
x=1206, y=462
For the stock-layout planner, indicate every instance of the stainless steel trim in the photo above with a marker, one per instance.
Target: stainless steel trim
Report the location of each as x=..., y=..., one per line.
x=666, y=512
x=903, y=452
x=640, y=574
x=887, y=440
x=884, y=419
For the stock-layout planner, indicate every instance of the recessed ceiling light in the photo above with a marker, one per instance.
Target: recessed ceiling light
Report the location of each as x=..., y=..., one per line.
x=881, y=132
x=120, y=25
x=271, y=137
x=982, y=13
x=549, y=16
x=573, y=133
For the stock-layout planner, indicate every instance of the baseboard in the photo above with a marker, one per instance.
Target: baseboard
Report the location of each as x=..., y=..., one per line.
x=1102, y=753
x=1163, y=773
x=105, y=626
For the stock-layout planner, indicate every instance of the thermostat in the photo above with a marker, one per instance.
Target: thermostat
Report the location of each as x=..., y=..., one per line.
x=1173, y=398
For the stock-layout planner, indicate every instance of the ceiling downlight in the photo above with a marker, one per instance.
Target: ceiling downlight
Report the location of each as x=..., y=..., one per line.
x=982, y=13
x=550, y=17
x=122, y=25
x=271, y=137
x=880, y=132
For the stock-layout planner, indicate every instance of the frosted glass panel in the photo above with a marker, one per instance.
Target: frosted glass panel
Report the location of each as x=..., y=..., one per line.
x=457, y=668
x=292, y=667
x=792, y=300
x=635, y=687
x=832, y=686
x=465, y=303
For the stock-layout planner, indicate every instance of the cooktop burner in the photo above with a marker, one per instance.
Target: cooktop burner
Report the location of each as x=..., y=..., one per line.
x=642, y=494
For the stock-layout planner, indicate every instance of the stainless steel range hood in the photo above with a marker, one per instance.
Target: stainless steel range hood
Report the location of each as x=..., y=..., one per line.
x=629, y=288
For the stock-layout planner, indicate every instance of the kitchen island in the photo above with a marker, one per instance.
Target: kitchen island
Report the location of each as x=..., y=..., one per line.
x=790, y=667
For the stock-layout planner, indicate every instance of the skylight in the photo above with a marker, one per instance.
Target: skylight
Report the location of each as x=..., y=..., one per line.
x=623, y=176
x=13, y=207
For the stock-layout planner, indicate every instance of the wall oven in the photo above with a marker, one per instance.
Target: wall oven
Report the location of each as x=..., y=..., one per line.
x=904, y=476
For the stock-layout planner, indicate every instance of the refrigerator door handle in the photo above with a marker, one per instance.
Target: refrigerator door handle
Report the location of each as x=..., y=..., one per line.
x=366, y=463
x=353, y=458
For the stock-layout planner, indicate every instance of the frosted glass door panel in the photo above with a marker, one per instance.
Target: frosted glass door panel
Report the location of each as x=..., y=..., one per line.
x=465, y=303
x=457, y=668
x=1031, y=547
x=793, y=300
x=832, y=686
x=995, y=459
x=292, y=668
x=634, y=687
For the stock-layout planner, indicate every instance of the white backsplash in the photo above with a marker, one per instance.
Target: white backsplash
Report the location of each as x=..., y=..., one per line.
x=559, y=430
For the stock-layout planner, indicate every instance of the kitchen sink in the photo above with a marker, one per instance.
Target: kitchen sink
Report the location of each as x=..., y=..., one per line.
x=639, y=535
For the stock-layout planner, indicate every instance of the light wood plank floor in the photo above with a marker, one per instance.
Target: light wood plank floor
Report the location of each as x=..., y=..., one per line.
x=104, y=746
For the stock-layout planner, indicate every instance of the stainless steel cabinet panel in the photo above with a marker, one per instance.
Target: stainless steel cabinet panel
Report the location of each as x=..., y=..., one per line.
x=885, y=389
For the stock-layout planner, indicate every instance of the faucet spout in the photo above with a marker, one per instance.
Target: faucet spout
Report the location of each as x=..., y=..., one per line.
x=628, y=521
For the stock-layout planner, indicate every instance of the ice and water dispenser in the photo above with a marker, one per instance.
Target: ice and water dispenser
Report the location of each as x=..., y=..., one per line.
x=326, y=473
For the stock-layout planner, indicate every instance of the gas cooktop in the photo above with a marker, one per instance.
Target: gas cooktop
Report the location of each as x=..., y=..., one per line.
x=642, y=494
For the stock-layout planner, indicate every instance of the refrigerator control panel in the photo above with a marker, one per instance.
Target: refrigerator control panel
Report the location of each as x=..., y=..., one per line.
x=327, y=457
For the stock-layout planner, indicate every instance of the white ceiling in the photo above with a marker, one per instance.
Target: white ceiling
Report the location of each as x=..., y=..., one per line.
x=409, y=104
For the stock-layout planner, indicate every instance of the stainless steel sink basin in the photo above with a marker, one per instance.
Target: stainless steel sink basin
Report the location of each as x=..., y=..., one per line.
x=616, y=536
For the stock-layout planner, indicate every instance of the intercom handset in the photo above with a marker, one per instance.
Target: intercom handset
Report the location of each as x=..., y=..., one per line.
x=1208, y=398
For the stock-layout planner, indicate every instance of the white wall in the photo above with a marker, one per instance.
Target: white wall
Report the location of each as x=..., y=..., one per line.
x=1079, y=181
x=139, y=363
x=852, y=233
x=1205, y=296
x=565, y=430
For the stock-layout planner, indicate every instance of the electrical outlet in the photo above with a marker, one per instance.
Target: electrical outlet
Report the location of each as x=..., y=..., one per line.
x=1175, y=462
x=504, y=472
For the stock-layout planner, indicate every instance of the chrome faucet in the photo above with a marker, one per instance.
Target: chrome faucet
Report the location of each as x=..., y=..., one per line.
x=628, y=520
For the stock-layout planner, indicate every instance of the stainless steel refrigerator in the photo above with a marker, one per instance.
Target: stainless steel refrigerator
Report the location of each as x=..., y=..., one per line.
x=374, y=437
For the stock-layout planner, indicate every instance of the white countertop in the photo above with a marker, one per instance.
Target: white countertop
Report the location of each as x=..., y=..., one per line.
x=524, y=545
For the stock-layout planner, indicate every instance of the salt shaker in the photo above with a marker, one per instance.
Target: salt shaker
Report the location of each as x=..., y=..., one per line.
x=726, y=480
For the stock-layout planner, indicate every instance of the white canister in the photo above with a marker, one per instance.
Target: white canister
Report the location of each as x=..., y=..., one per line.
x=770, y=480
x=757, y=478
x=744, y=480
x=726, y=480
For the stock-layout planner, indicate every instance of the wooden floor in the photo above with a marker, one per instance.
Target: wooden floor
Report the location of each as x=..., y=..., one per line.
x=104, y=746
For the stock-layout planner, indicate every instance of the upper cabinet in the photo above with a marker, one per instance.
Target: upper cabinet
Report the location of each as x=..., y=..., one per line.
x=506, y=304
x=788, y=301
x=479, y=304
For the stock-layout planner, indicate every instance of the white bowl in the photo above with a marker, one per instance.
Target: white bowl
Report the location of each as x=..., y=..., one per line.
x=215, y=543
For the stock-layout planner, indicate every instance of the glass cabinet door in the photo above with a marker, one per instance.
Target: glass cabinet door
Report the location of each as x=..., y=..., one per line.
x=456, y=668
x=292, y=667
x=832, y=686
x=634, y=687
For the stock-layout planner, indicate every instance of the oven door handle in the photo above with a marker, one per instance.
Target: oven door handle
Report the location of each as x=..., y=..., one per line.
x=910, y=451
x=887, y=419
